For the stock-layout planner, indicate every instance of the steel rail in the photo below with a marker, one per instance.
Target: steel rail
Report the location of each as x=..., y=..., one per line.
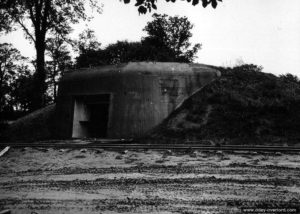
x=143, y=145
x=133, y=146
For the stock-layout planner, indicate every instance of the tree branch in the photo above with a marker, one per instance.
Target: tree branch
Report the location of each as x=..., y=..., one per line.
x=26, y=30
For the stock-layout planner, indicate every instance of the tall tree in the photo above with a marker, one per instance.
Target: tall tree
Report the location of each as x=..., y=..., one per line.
x=88, y=48
x=9, y=58
x=21, y=92
x=60, y=60
x=172, y=33
x=167, y=40
x=147, y=5
x=45, y=17
x=12, y=68
x=87, y=41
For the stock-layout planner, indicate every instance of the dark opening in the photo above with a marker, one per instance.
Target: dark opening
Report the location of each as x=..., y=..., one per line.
x=95, y=122
x=98, y=119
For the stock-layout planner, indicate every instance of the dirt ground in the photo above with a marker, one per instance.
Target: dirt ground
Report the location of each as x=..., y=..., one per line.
x=34, y=180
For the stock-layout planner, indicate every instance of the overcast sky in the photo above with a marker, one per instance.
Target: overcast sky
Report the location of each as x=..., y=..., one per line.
x=263, y=32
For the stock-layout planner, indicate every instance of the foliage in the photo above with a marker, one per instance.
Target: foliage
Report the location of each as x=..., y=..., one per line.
x=87, y=42
x=46, y=17
x=290, y=78
x=12, y=69
x=245, y=105
x=172, y=33
x=8, y=57
x=22, y=92
x=123, y=52
x=167, y=41
x=89, y=50
x=147, y=5
x=60, y=60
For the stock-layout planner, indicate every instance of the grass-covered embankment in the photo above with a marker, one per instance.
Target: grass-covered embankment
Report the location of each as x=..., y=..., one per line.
x=244, y=106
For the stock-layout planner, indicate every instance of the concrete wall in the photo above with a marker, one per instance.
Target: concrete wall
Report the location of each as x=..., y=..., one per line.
x=81, y=113
x=143, y=94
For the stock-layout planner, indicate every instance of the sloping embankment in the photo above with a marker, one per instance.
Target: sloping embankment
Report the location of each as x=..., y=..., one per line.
x=244, y=106
x=37, y=125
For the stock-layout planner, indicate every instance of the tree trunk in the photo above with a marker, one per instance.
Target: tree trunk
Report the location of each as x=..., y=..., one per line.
x=54, y=82
x=54, y=87
x=1, y=90
x=39, y=76
x=54, y=91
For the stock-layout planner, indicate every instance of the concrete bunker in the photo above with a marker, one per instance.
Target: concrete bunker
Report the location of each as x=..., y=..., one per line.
x=127, y=100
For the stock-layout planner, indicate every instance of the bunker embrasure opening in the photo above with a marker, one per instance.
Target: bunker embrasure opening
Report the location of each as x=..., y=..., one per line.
x=91, y=116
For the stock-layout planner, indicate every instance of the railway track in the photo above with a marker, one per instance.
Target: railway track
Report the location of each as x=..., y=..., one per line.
x=135, y=146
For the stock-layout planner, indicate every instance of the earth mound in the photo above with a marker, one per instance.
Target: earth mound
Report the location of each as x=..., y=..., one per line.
x=244, y=106
x=38, y=125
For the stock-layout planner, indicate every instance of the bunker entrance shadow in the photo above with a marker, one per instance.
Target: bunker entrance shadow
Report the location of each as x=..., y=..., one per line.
x=91, y=116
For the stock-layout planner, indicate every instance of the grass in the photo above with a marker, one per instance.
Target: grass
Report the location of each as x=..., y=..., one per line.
x=244, y=106
x=37, y=125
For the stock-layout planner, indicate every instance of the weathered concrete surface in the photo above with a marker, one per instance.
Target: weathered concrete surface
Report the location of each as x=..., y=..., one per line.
x=141, y=94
